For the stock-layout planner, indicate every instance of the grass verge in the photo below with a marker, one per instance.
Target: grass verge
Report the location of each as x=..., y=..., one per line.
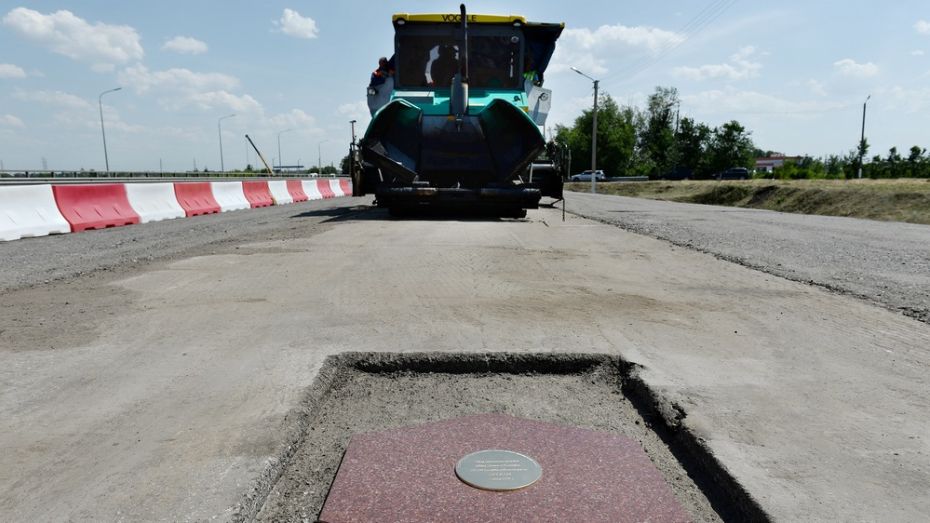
x=902, y=200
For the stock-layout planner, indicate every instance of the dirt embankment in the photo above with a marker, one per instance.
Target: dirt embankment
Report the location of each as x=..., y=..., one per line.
x=889, y=200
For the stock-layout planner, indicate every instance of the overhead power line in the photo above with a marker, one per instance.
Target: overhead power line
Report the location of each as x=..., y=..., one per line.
x=706, y=16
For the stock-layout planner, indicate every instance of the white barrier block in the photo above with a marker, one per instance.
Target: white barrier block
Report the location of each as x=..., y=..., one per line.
x=336, y=188
x=154, y=201
x=311, y=190
x=279, y=192
x=230, y=196
x=29, y=210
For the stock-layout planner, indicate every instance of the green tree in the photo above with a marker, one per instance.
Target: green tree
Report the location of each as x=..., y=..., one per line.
x=730, y=146
x=692, y=142
x=658, y=138
x=345, y=164
x=863, y=149
x=616, y=139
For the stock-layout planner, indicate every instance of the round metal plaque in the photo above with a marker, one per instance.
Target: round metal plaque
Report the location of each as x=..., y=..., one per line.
x=498, y=470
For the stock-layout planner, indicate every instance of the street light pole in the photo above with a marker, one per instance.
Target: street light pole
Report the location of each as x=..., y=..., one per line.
x=106, y=157
x=280, y=161
x=219, y=130
x=319, y=156
x=862, y=139
x=593, y=133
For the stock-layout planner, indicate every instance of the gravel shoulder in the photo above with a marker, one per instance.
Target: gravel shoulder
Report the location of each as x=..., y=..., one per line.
x=32, y=261
x=884, y=262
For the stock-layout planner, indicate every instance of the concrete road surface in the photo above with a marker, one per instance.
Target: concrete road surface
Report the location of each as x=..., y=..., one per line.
x=158, y=389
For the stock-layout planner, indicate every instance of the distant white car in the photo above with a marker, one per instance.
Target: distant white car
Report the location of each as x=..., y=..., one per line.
x=586, y=176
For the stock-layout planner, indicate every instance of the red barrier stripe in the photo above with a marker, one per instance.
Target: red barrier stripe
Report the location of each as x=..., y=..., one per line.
x=258, y=194
x=325, y=189
x=94, y=206
x=296, y=188
x=346, y=186
x=196, y=198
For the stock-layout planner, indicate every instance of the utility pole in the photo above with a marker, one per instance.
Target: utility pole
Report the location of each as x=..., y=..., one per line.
x=103, y=131
x=568, y=170
x=319, y=156
x=593, y=133
x=594, y=143
x=219, y=130
x=862, y=139
x=280, y=158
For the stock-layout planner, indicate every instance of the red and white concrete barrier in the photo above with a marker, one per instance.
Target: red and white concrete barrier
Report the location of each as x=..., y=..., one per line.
x=94, y=206
x=336, y=187
x=325, y=189
x=154, y=201
x=296, y=188
x=29, y=210
x=230, y=196
x=279, y=192
x=257, y=194
x=40, y=210
x=312, y=189
x=196, y=198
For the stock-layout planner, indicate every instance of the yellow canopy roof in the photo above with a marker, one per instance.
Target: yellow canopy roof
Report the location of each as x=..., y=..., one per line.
x=455, y=18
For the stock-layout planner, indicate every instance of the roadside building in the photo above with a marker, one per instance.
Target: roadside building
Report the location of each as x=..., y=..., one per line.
x=768, y=164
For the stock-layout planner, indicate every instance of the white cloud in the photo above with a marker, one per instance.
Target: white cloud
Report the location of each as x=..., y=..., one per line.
x=103, y=68
x=817, y=87
x=909, y=100
x=295, y=118
x=849, y=67
x=8, y=120
x=357, y=110
x=54, y=98
x=72, y=111
x=11, y=71
x=293, y=24
x=732, y=101
x=178, y=88
x=221, y=100
x=185, y=45
x=589, y=50
x=922, y=27
x=66, y=34
x=140, y=79
x=740, y=67
x=917, y=52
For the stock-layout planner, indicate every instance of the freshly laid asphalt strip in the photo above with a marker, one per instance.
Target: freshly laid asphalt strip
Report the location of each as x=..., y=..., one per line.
x=885, y=262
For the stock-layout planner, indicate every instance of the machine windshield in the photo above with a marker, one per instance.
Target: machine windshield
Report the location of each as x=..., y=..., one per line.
x=431, y=59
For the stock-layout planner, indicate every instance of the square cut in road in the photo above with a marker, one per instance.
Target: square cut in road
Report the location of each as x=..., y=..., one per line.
x=365, y=412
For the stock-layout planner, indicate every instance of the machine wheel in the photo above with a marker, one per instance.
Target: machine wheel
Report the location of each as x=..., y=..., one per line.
x=514, y=213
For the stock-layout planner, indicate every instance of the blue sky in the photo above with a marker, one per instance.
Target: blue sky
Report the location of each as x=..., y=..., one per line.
x=795, y=72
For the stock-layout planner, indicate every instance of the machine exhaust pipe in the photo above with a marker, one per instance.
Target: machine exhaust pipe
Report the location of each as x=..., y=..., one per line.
x=458, y=97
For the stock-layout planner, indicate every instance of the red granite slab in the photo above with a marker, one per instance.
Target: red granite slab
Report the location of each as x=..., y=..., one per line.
x=408, y=475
